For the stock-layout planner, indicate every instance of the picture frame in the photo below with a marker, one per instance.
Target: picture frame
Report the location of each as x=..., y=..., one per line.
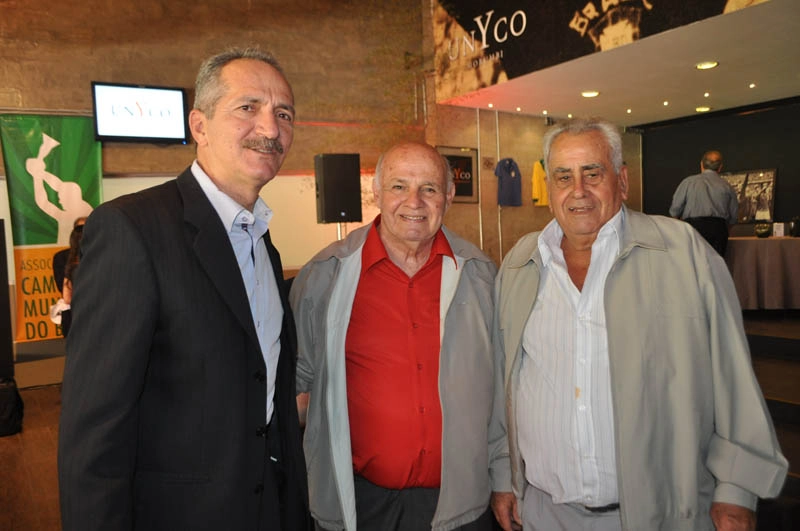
x=464, y=163
x=756, y=192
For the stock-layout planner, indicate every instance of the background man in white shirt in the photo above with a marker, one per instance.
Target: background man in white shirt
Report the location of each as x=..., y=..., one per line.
x=707, y=202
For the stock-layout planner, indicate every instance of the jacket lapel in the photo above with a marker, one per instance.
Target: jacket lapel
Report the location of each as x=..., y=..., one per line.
x=213, y=250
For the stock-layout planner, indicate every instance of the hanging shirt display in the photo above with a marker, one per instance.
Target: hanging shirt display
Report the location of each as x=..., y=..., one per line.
x=539, y=188
x=509, y=183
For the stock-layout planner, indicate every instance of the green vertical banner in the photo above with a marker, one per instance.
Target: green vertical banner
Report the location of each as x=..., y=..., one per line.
x=54, y=176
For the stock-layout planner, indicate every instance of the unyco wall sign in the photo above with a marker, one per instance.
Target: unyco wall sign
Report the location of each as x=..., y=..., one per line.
x=479, y=43
x=491, y=31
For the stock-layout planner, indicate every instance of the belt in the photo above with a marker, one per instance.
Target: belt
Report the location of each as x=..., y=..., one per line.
x=603, y=509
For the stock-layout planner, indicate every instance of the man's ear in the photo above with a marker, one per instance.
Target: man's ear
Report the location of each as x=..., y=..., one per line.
x=451, y=193
x=376, y=192
x=198, y=126
x=623, y=182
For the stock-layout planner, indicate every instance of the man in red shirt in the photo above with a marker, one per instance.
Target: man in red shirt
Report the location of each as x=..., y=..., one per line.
x=404, y=426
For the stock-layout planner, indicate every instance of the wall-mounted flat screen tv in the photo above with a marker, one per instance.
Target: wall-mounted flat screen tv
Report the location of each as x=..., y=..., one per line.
x=139, y=113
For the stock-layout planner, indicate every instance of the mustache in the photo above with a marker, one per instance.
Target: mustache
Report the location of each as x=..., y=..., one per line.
x=264, y=144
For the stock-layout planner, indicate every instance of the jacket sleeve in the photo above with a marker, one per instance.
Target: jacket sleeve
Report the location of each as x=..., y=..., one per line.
x=744, y=455
x=302, y=306
x=114, y=309
x=499, y=459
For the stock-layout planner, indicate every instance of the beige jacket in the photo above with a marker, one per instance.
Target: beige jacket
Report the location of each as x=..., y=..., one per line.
x=691, y=424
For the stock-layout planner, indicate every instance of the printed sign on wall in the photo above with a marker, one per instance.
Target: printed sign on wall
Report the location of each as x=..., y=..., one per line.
x=53, y=171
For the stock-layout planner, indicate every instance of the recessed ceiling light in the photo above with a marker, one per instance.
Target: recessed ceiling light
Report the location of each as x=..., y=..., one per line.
x=491, y=105
x=590, y=93
x=666, y=103
x=519, y=109
x=702, y=108
x=628, y=111
x=569, y=116
x=706, y=95
x=706, y=65
x=752, y=85
x=544, y=112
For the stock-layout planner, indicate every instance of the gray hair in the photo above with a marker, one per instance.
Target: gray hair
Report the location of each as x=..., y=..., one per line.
x=209, y=88
x=585, y=125
x=445, y=164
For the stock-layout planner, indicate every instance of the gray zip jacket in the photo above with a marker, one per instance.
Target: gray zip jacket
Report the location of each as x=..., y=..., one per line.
x=691, y=426
x=474, y=446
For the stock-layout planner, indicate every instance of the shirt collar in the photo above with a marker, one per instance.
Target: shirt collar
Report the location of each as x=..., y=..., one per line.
x=230, y=212
x=551, y=236
x=374, y=250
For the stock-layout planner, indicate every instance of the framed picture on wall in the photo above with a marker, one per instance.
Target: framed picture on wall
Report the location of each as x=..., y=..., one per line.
x=464, y=162
x=737, y=181
x=756, y=192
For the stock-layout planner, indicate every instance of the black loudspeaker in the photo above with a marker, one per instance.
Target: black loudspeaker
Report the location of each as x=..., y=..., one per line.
x=338, y=179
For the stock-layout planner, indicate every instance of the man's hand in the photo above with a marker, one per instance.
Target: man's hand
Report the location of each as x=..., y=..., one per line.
x=302, y=408
x=504, y=507
x=729, y=517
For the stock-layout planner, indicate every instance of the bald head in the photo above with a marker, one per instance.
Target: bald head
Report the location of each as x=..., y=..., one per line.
x=712, y=160
x=414, y=150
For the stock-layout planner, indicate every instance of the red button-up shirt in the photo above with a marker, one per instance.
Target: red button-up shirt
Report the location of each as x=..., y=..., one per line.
x=392, y=359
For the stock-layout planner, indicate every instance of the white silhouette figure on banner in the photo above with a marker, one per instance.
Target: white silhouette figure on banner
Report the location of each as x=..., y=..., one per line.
x=70, y=194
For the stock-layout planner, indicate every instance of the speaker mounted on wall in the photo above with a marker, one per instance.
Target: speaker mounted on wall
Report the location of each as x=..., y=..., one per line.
x=338, y=184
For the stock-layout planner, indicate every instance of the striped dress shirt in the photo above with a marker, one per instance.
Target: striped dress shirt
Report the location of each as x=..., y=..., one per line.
x=565, y=415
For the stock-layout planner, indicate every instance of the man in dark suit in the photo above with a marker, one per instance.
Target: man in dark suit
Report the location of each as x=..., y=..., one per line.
x=178, y=402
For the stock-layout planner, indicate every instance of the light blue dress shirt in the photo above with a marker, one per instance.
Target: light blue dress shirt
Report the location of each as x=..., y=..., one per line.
x=246, y=231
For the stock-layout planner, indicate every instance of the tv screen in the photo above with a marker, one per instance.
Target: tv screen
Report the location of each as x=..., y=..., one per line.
x=138, y=113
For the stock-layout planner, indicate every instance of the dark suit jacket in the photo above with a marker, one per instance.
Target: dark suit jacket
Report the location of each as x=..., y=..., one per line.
x=164, y=390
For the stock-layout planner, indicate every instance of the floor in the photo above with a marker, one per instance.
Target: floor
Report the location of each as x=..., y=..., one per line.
x=28, y=480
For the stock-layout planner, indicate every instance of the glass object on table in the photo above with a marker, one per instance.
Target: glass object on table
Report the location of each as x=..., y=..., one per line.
x=763, y=230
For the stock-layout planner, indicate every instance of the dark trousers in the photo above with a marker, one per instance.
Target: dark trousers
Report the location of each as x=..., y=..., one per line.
x=380, y=509
x=714, y=230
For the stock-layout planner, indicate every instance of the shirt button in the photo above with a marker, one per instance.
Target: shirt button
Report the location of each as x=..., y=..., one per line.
x=582, y=361
x=581, y=408
x=259, y=489
x=419, y=366
x=259, y=376
x=422, y=410
x=261, y=431
x=414, y=325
